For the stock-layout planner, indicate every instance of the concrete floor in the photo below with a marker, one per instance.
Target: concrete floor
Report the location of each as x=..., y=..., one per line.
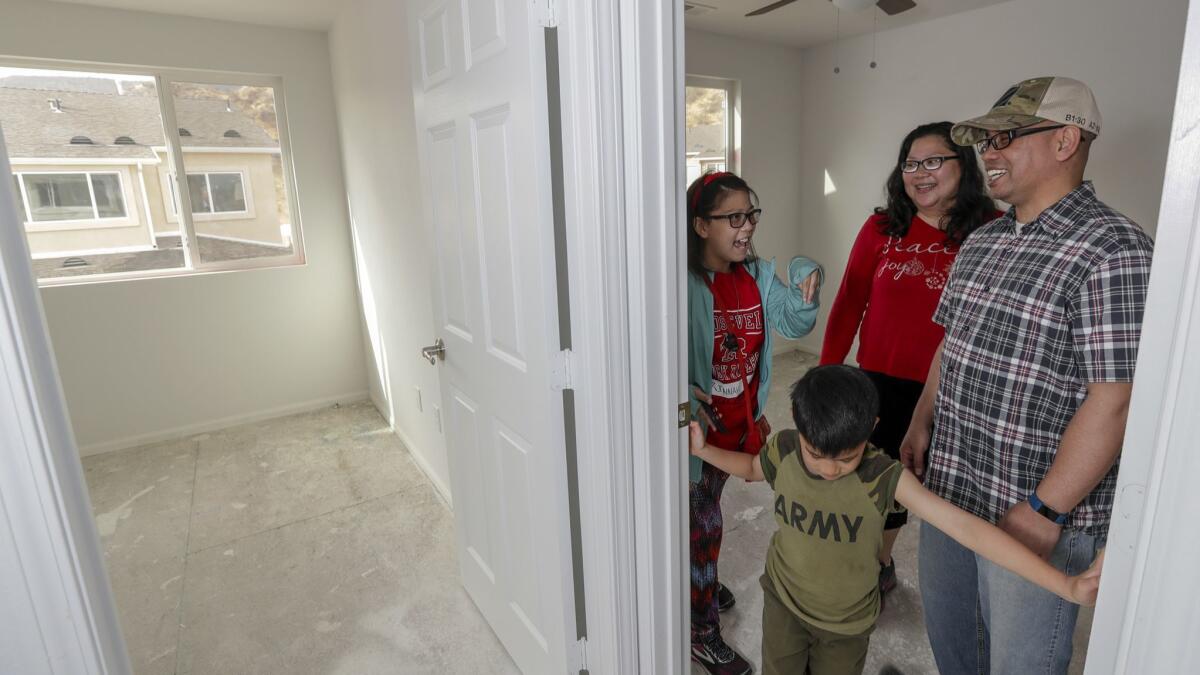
x=899, y=637
x=308, y=544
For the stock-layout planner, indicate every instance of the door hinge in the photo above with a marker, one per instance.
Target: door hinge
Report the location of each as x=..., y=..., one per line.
x=685, y=414
x=560, y=371
x=545, y=13
x=583, y=666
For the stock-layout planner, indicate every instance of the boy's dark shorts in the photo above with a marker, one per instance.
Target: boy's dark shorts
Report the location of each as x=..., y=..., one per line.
x=791, y=645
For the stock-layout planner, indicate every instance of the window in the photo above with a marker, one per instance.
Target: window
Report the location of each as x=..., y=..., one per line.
x=233, y=160
x=711, y=124
x=49, y=197
x=99, y=159
x=220, y=194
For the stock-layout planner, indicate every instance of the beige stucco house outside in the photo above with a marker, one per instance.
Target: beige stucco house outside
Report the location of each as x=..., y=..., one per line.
x=91, y=170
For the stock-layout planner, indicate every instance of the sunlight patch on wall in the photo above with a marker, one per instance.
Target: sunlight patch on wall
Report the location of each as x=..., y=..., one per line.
x=830, y=188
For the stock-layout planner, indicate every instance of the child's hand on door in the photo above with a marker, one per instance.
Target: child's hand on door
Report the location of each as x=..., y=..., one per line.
x=695, y=438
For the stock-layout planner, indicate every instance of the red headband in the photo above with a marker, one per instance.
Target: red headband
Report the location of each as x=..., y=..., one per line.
x=704, y=186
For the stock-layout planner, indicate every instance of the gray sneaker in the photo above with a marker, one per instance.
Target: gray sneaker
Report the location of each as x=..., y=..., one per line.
x=718, y=658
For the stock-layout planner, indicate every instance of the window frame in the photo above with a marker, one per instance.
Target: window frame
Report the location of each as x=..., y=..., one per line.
x=164, y=79
x=129, y=219
x=733, y=116
x=243, y=174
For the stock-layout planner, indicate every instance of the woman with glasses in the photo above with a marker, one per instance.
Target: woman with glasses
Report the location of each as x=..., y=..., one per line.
x=893, y=281
x=735, y=300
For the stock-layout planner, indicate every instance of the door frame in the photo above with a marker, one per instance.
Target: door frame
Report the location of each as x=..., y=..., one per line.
x=621, y=90
x=63, y=619
x=1148, y=587
x=622, y=66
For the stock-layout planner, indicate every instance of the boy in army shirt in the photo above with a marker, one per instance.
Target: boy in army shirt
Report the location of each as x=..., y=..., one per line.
x=832, y=494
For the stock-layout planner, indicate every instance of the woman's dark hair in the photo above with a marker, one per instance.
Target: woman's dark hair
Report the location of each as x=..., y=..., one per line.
x=972, y=206
x=702, y=198
x=834, y=408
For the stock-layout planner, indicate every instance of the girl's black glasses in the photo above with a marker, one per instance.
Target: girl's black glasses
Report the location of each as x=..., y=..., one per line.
x=737, y=220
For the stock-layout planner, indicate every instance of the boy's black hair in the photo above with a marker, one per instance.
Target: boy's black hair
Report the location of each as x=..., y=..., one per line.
x=835, y=408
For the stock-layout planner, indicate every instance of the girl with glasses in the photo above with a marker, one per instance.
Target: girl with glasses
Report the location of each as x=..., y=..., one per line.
x=735, y=300
x=893, y=281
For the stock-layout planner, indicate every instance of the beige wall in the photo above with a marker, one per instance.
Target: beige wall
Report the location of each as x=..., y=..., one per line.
x=771, y=160
x=153, y=357
x=66, y=238
x=953, y=68
x=375, y=112
x=155, y=184
x=263, y=226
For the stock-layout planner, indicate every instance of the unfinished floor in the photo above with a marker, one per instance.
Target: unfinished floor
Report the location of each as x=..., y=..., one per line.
x=312, y=544
x=899, y=637
x=308, y=544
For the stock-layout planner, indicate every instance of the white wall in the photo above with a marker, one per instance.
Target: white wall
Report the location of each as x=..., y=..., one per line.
x=771, y=105
x=954, y=68
x=372, y=78
x=141, y=359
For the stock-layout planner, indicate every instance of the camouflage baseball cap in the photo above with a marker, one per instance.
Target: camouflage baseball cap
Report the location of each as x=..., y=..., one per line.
x=1053, y=99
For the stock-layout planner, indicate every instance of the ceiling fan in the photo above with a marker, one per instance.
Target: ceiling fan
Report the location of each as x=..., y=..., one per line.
x=890, y=7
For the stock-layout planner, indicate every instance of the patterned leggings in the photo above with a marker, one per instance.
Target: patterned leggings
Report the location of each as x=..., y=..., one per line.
x=706, y=530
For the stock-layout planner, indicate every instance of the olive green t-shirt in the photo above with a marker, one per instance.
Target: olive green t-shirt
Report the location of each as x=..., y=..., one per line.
x=824, y=559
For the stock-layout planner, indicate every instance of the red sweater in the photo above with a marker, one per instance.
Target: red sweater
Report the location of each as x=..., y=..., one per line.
x=891, y=288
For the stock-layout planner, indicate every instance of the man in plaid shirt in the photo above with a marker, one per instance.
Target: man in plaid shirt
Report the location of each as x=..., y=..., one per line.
x=1023, y=414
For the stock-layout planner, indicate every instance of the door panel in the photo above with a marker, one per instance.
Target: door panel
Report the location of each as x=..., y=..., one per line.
x=485, y=30
x=495, y=222
x=480, y=95
x=443, y=175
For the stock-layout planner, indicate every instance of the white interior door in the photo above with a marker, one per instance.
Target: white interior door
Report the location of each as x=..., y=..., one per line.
x=480, y=93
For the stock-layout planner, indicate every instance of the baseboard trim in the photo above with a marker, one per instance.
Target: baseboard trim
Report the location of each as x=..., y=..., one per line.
x=440, y=487
x=218, y=424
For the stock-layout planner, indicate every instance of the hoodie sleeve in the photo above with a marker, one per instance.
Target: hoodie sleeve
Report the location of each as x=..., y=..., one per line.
x=787, y=312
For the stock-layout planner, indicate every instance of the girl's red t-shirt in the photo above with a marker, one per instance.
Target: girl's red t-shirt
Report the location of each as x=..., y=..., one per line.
x=738, y=323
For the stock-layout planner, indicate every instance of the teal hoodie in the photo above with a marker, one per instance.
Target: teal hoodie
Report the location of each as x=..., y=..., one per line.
x=786, y=312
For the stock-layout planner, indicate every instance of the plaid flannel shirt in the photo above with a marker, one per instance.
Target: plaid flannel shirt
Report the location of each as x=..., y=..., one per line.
x=1031, y=318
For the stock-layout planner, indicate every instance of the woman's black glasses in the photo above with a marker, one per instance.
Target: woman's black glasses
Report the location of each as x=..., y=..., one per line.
x=929, y=163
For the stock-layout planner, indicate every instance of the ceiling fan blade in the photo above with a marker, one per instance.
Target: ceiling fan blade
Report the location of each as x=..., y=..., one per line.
x=894, y=7
x=771, y=7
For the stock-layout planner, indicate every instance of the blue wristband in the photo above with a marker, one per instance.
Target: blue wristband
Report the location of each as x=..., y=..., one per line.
x=1050, y=514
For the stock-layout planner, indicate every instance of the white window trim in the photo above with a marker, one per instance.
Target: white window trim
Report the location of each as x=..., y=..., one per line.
x=172, y=215
x=130, y=219
x=223, y=149
x=733, y=116
x=164, y=78
x=91, y=251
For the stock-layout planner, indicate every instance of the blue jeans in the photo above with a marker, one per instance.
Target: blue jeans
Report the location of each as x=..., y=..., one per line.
x=983, y=619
